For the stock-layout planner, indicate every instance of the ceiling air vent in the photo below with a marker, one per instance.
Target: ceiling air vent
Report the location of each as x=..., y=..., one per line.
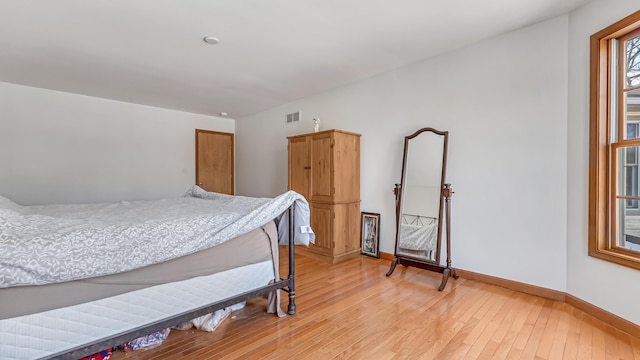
x=293, y=117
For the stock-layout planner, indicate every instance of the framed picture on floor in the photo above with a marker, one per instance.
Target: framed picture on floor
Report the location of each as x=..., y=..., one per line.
x=370, y=234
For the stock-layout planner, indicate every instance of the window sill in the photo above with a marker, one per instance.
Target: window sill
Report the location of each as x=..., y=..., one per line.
x=618, y=256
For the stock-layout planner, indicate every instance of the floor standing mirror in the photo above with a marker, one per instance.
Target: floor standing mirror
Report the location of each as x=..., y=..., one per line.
x=421, y=198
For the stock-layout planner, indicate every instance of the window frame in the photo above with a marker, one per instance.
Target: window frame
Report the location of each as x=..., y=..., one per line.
x=602, y=150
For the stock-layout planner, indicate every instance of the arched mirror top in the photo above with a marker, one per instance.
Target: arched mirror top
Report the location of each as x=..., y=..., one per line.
x=443, y=133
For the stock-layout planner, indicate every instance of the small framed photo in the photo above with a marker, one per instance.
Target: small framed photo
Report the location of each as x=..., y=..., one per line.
x=370, y=234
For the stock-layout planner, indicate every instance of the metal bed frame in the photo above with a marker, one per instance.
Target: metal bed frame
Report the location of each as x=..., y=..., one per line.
x=286, y=285
x=412, y=219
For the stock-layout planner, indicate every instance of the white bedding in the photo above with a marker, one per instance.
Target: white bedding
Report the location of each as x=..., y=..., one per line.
x=416, y=237
x=55, y=243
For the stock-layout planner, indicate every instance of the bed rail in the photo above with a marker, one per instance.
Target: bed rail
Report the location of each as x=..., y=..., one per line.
x=291, y=308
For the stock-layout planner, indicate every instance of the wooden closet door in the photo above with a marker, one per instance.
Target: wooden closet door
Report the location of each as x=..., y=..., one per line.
x=321, y=162
x=214, y=161
x=346, y=228
x=299, y=166
x=322, y=224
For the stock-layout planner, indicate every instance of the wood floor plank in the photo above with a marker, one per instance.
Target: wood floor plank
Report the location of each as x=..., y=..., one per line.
x=488, y=326
x=612, y=349
x=488, y=351
x=351, y=310
x=570, y=351
x=443, y=331
x=635, y=346
x=586, y=337
x=560, y=338
x=515, y=307
x=525, y=306
x=312, y=344
x=536, y=331
x=597, y=340
x=624, y=344
x=521, y=341
x=524, y=333
x=485, y=313
x=550, y=332
x=456, y=348
x=392, y=311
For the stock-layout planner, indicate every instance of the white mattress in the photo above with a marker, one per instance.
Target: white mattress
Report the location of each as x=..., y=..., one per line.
x=50, y=332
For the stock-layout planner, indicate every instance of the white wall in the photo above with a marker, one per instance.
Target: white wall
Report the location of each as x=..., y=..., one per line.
x=504, y=103
x=421, y=200
x=609, y=286
x=58, y=147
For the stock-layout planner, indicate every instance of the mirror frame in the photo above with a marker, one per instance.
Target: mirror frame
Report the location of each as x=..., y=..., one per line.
x=400, y=195
x=445, y=197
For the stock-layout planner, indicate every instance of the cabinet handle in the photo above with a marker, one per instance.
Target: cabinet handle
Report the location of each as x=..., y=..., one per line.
x=307, y=167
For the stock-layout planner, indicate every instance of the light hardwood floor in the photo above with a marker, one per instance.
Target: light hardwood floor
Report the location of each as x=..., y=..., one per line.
x=351, y=310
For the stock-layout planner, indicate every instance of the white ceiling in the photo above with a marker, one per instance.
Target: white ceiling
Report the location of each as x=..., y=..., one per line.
x=271, y=51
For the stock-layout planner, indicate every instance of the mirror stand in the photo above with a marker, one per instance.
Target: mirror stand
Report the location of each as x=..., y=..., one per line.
x=447, y=271
x=423, y=199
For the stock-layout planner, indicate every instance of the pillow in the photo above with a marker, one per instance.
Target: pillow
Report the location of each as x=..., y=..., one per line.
x=198, y=192
x=8, y=204
x=195, y=191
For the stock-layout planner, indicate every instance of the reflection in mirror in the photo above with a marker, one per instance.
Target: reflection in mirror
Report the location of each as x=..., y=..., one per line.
x=421, y=197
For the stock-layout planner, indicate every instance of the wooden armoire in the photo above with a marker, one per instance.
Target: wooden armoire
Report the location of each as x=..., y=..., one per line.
x=325, y=168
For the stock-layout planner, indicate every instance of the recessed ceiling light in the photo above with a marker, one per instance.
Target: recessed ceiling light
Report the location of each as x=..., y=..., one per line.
x=211, y=40
x=223, y=114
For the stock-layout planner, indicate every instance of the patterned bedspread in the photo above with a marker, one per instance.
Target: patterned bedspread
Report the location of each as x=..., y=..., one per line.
x=55, y=243
x=416, y=237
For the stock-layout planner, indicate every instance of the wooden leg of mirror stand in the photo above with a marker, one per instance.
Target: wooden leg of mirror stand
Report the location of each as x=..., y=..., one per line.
x=446, y=273
x=393, y=266
x=445, y=277
x=453, y=274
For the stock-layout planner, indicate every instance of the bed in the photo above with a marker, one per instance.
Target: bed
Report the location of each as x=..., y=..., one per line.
x=418, y=236
x=89, y=277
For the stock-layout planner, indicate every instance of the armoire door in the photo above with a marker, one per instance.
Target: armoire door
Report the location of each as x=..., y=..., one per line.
x=299, y=166
x=346, y=233
x=322, y=216
x=214, y=161
x=321, y=163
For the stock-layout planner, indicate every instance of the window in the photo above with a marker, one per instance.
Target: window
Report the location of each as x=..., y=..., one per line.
x=614, y=148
